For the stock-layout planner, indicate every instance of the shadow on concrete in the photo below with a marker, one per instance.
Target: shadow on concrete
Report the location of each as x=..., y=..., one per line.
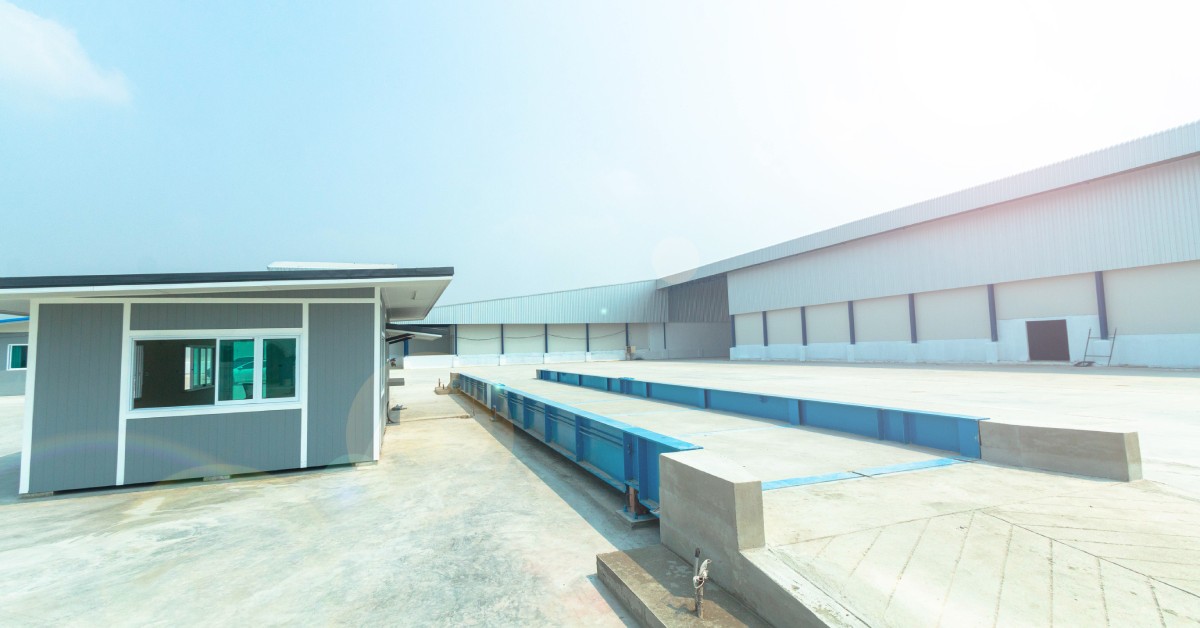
x=10, y=478
x=10, y=482
x=587, y=494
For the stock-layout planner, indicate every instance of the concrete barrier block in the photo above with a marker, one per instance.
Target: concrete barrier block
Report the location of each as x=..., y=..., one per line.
x=710, y=503
x=1094, y=453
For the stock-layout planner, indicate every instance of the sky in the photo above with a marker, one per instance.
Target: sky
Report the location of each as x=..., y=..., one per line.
x=540, y=146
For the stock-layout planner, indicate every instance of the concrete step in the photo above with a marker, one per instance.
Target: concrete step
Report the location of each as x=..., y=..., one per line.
x=655, y=586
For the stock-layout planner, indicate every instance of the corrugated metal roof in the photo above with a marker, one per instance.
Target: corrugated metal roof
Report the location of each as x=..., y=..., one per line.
x=1168, y=145
x=635, y=302
x=1141, y=218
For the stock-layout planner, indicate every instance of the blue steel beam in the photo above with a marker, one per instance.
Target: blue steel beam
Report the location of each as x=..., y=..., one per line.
x=950, y=432
x=621, y=455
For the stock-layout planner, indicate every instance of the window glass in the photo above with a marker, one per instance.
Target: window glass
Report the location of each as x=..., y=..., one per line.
x=18, y=356
x=197, y=367
x=236, y=379
x=160, y=373
x=279, y=368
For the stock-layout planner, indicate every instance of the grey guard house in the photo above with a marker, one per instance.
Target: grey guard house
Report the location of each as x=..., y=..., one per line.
x=145, y=378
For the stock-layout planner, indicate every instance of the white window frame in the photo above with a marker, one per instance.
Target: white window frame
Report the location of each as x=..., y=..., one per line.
x=218, y=406
x=8, y=358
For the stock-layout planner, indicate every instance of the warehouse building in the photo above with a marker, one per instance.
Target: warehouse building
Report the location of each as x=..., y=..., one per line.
x=601, y=323
x=1096, y=258
x=146, y=378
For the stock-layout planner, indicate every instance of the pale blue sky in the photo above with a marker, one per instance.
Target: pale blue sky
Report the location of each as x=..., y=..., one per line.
x=539, y=146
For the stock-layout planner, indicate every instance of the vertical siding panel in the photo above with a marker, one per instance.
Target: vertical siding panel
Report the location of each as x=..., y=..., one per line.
x=75, y=421
x=341, y=369
x=167, y=316
x=174, y=448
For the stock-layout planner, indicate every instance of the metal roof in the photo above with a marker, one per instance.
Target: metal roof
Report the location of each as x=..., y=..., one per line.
x=264, y=276
x=406, y=292
x=1169, y=145
x=634, y=302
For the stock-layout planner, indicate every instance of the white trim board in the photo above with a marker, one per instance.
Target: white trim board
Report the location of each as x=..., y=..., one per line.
x=30, y=378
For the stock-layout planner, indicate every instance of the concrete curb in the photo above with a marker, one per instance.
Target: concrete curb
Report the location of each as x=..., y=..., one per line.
x=1093, y=453
x=653, y=584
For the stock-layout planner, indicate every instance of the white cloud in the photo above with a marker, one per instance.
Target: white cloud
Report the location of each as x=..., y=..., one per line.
x=40, y=56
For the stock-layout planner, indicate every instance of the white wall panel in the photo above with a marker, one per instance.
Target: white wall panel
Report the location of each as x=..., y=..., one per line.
x=953, y=314
x=1139, y=218
x=828, y=323
x=608, y=337
x=881, y=319
x=1154, y=300
x=748, y=329
x=639, y=335
x=567, y=338
x=524, y=339
x=784, y=328
x=1070, y=295
x=478, y=339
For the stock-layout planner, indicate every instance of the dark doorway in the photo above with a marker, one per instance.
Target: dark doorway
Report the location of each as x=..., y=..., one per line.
x=1048, y=340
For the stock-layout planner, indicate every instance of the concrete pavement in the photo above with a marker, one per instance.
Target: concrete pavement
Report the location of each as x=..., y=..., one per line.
x=963, y=544
x=463, y=522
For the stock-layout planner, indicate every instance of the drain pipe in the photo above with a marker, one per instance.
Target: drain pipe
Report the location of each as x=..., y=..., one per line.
x=699, y=577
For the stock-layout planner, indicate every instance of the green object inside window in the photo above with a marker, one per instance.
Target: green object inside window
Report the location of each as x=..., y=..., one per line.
x=18, y=356
x=236, y=364
x=279, y=368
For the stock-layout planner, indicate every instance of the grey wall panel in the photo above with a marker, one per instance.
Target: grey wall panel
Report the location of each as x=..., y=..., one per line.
x=328, y=293
x=1140, y=218
x=1160, y=148
x=175, y=448
x=341, y=389
x=77, y=391
x=11, y=382
x=702, y=301
x=165, y=316
x=635, y=302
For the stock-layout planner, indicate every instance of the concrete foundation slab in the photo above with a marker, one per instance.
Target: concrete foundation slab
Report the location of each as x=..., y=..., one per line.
x=655, y=586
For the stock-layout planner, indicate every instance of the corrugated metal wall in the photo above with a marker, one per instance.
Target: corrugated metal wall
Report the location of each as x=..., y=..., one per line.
x=702, y=301
x=341, y=392
x=77, y=390
x=636, y=302
x=166, y=316
x=1140, y=218
x=1167, y=145
x=173, y=448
